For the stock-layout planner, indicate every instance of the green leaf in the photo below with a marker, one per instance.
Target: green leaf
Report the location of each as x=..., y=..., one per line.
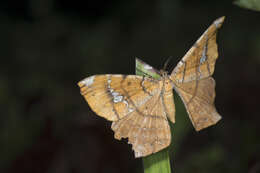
x=144, y=69
x=249, y=4
x=160, y=161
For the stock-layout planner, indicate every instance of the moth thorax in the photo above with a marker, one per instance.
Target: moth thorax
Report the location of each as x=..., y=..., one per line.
x=163, y=73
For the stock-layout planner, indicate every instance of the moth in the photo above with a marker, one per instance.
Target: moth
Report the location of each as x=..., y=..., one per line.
x=139, y=106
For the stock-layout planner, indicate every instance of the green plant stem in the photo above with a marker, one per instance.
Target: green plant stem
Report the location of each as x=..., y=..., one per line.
x=157, y=163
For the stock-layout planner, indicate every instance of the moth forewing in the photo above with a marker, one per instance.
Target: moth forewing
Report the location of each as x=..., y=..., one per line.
x=199, y=61
x=192, y=79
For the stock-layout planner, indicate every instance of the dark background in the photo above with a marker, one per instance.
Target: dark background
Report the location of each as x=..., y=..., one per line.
x=47, y=46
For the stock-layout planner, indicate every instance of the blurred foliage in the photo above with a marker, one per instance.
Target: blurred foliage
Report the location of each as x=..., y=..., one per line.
x=47, y=46
x=250, y=4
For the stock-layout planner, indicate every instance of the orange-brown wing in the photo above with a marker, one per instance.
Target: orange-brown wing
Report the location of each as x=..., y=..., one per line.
x=198, y=97
x=169, y=106
x=147, y=128
x=136, y=105
x=192, y=80
x=115, y=96
x=199, y=61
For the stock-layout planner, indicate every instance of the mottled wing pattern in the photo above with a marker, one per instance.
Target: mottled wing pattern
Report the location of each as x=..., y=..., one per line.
x=147, y=128
x=192, y=79
x=168, y=103
x=198, y=98
x=199, y=61
x=115, y=96
x=137, y=107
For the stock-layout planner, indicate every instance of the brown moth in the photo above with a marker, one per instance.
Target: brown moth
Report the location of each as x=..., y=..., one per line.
x=139, y=106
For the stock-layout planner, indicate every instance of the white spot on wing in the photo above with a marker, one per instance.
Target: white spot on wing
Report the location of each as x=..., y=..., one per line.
x=128, y=107
x=204, y=55
x=217, y=22
x=203, y=59
x=89, y=81
x=117, y=98
x=130, y=110
x=180, y=63
x=126, y=103
x=115, y=94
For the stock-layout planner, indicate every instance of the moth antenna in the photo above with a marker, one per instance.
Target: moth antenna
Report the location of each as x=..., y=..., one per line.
x=171, y=68
x=166, y=63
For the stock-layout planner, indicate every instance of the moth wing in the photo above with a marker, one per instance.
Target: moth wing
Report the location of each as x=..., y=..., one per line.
x=199, y=61
x=147, y=129
x=198, y=97
x=169, y=106
x=115, y=96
